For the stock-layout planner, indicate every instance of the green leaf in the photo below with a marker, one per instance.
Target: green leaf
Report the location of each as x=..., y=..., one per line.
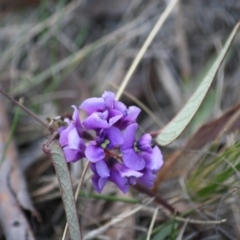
x=65, y=185
x=175, y=127
x=165, y=232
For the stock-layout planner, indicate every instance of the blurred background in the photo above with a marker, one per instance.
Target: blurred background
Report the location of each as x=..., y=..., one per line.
x=55, y=54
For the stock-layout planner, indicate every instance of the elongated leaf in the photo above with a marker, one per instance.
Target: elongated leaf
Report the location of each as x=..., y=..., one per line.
x=175, y=127
x=65, y=185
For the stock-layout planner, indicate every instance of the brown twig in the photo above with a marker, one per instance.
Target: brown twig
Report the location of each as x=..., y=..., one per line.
x=29, y=112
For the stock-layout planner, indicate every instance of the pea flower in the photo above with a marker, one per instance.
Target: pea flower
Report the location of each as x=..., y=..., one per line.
x=115, y=172
x=111, y=145
x=134, y=151
x=71, y=138
x=106, y=139
x=154, y=162
x=101, y=114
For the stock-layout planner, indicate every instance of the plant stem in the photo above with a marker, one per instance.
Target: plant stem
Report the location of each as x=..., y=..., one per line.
x=29, y=112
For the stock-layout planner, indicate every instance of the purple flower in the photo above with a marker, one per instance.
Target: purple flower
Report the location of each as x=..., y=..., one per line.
x=106, y=139
x=134, y=151
x=101, y=114
x=115, y=172
x=71, y=138
x=129, y=115
x=115, y=156
x=154, y=162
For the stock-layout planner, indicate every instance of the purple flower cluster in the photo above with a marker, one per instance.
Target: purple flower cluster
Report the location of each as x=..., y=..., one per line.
x=113, y=150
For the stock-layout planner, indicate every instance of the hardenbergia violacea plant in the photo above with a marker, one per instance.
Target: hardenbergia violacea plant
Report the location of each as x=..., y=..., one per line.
x=113, y=151
x=106, y=138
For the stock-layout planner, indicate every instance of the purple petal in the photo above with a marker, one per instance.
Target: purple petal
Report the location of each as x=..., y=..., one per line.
x=76, y=118
x=98, y=183
x=74, y=141
x=132, y=180
x=94, y=153
x=60, y=129
x=93, y=167
x=91, y=105
x=108, y=98
x=129, y=136
x=114, y=135
x=119, y=106
x=126, y=172
x=63, y=139
x=94, y=121
x=148, y=178
x=72, y=155
x=114, y=116
x=154, y=160
x=102, y=169
x=144, y=143
x=132, y=160
x=132, y=114
x=122, y=183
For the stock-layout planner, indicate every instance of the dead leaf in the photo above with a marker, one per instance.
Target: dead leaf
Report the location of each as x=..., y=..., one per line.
x=205, y=134
x=13, y=189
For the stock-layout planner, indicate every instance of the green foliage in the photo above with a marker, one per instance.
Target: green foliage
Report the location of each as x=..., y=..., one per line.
x=215, y=175
x=175, y=127
x=166, y=232
x=12, y=130
x=65, y=185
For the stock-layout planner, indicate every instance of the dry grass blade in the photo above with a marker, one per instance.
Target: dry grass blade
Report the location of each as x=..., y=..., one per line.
x=6, y=56
x=169, y=84
x=72, y=60
x=117, y=219
x=183, y=51
x=145, y=46
x=180, y=235
x=152, y=224
x=200, y=222
x=141, y=105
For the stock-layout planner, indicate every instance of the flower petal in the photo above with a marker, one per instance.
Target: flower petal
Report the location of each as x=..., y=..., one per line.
x=132, y=114
x=102, y=169
x=109, y=98
x=144, y=143
x=93, y=167
x=148, y=178
x=94, y=121
x=92, y=105
x=132, y=160
x=114, y=116
x=63, y=138
x=126, y=172
x=121, y=182
x=74, y=141
x=114, y=135
x=72, y=155
x=94, y=153
x=154, y=160
x=76, y=118
x=98, y=183
x=117, y=105
x=129, y=136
